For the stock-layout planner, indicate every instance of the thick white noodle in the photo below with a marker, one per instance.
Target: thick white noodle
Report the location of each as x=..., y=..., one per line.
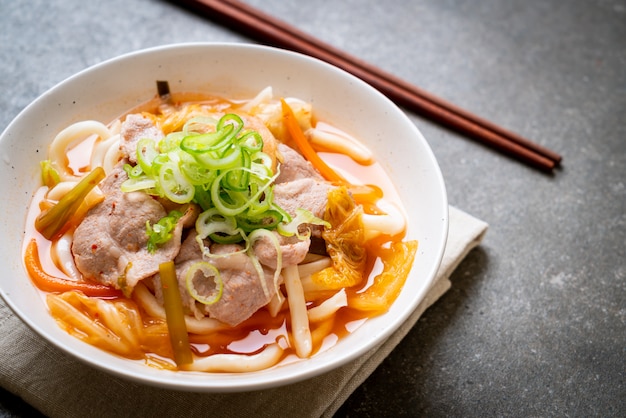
x=341, y=143
x=238, y=363
x=106, y=153
x=276, y=303
x=68, y=136
x=314, y=266
x=115, y=127
x=329, y=307
x=112, y=156
x=392, y=223
x=63, y=249
x=196, y=326
x=61, y=189
x=297, y=310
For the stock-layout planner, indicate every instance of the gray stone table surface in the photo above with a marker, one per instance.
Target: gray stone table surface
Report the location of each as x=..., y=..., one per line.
x=535, y=323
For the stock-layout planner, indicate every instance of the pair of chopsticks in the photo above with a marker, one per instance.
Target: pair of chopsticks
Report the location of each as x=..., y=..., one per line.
x=267, y=29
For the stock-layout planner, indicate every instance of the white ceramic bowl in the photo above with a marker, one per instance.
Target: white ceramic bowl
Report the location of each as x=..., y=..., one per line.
x=106, y=90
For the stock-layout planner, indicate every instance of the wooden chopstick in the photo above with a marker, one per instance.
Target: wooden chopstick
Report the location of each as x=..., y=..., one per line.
x=265, y=28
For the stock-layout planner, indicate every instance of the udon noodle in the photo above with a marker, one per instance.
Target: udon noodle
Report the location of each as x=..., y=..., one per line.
x=313, y=198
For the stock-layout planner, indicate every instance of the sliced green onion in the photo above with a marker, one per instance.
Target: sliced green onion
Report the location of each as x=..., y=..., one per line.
x=137, y=184
x=49, y=175
x=269, y=220
x=232, y=120
x=197, y=174
x=171, y=141
x=238, y=202
x=211, y=223
x=212, y=280
x=202, y=198
x=174, y=185
x=220, y=166
x=303, y=216
x=146, y=153
x=255, y=236
x=251, y=141
x=262, y=164
x=239, y=179
x=161, y=232
x=135, y=172
x=209, y=142
x=221, y=160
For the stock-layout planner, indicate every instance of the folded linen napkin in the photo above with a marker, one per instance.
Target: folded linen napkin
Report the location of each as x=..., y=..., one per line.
x=60, y=386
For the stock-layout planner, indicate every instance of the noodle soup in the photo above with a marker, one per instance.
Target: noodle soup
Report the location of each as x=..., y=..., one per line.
x=282, y=234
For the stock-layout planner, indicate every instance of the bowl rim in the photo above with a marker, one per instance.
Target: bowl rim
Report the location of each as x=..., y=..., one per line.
x=238, y=384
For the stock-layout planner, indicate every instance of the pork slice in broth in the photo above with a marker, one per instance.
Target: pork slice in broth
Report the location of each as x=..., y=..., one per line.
x=295, y=167
x=110, y=244
x=293, y=250
x=134, y=128
x=244, y=292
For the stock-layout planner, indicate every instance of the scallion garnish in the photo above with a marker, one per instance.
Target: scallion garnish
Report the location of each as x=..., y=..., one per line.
x=219, y=165
x=49, y=175
x=161, y=231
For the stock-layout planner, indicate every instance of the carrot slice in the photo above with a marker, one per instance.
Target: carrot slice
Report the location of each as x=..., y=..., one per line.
x=293, y=127
x=363, y=194
x=49, y=283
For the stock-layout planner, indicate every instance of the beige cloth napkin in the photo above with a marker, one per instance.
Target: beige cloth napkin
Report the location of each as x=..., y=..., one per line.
x=60, y=386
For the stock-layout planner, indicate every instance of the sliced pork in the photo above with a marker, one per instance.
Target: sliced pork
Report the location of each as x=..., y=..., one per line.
x=244, y=291
x=134, y=128
x=189, y=249
x=305, y=193
x=299, y=184
x=294, y=166
x=109, y=245
x=293, y=250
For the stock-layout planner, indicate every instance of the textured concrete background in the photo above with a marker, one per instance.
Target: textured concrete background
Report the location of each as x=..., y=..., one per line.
x=535, y=324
